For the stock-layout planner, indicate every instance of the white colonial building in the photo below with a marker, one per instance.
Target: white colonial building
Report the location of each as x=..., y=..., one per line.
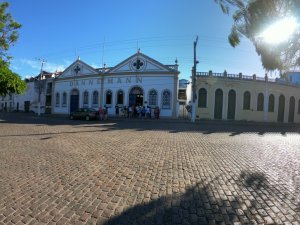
x=38, y=92
x=138, y=80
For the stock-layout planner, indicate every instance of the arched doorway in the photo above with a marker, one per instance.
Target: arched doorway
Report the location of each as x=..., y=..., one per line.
x=231, y=105
x=291, y=110
x=136, y=96
x=74, y=100
x=218, y=104
x=280, y=116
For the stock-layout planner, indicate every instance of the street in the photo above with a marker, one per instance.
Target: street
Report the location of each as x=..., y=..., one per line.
x=130, y=171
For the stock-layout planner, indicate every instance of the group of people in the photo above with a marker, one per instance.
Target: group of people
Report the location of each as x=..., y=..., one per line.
x=138, y=111
x=142, y=112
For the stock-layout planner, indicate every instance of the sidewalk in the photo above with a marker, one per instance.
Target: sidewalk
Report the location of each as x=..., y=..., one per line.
x=160, y=120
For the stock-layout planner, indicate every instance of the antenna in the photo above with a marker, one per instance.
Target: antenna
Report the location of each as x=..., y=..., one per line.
x=103, y=44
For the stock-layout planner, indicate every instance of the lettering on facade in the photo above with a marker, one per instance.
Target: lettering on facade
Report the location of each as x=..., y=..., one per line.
x=127, y=80
x=118, y=80
x=139, y=80
x=73, y=83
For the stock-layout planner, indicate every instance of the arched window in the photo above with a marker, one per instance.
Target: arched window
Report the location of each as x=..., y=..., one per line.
x=166, y=99
x=247, y=100
x=231, y=105
x=120, y=97
x=260, y=102
x=57, y=96
x=202, y=98
x=85, y=98
x=218, y=111
x=108, y=98
x=64, y=99
x=95, y=98
x=291, y=110
x=271, y=103
x=299, y=106
x=152, y=98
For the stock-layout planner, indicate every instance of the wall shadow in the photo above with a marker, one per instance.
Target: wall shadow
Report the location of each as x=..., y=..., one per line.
x=173, y=126
x=208, y=203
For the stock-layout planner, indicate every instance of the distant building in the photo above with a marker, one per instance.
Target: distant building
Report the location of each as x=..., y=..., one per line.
x=28, y=102
x=183, y=98
x=291, y=77
x=294, y=77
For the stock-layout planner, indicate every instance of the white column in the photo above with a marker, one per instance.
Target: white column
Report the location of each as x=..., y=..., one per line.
x=266, y=102
x=286, y=108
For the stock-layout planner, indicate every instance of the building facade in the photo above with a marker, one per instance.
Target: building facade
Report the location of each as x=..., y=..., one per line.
x=36, y=92
x=223, y=96
x=294, y=77
x=136, y=81
x=142, y=81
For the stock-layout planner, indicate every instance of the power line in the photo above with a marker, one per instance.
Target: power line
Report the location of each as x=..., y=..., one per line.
x=131, y=44
x=151, y=43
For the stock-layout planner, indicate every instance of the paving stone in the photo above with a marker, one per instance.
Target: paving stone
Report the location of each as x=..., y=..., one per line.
x=85, y=172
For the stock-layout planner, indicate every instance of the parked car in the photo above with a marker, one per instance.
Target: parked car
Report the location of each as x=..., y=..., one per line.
x=84, y=113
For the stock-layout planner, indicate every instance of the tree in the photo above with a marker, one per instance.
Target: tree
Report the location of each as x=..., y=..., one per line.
x=10, y=82
x=251, y=17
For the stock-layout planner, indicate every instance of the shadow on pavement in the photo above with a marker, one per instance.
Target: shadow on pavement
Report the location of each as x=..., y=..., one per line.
x=173, y=126
x=245, y=201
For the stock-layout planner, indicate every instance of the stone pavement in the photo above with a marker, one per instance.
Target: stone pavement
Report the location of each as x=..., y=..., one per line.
x=56, y=171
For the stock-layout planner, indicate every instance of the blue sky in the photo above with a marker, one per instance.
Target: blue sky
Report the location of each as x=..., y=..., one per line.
x=111, y=31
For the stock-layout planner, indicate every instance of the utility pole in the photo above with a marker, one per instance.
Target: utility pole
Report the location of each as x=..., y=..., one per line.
x=194, y=95
x=39, y=86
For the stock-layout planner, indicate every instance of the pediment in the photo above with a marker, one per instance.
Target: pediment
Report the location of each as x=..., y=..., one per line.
x=78, y=68
x=140, y=63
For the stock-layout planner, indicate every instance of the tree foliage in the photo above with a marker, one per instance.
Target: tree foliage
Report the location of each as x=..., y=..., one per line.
x=10, y=82
x=251, y=17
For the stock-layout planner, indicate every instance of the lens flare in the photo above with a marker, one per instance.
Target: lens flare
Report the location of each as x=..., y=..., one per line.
x=280, y=31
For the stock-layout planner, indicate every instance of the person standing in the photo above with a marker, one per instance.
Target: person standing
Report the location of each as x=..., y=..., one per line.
x=143, y=112
x=156, y=112
x=105, y=112
x=101, y=113
x=139, y=111
x=130, y=111
x=148, y=112
x=117, y=110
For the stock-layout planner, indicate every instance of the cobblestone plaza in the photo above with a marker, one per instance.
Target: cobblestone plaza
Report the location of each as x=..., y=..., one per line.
x=56, y=171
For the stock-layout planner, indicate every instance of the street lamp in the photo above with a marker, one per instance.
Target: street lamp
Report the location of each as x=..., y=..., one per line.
x=194, y=95
x=39, y=87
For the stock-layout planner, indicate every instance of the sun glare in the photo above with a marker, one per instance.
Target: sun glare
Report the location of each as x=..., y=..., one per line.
x=280, y=31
